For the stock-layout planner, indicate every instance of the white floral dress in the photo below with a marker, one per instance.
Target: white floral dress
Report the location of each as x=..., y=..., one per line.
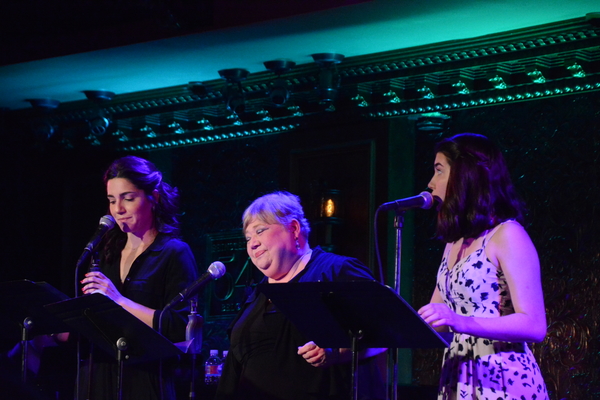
x=477, y=368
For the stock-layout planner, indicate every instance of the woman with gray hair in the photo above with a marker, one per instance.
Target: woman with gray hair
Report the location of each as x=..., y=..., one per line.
x=269, y=358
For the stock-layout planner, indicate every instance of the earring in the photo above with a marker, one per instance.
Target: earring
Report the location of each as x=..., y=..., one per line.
x=297, y=244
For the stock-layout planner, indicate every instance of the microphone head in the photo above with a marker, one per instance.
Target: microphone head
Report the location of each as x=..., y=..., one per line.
x=108, y=221
x=217, y=269
x=428, y=200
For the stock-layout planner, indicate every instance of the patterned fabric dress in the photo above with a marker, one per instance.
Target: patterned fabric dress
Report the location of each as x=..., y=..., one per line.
x=477, y=368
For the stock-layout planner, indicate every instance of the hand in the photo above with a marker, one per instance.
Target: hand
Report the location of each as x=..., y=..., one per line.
x=440, y=315
x=315, y=355
x=97, y=282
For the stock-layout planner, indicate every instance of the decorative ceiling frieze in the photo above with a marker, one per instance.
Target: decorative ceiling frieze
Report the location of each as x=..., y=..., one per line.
x=545, y=61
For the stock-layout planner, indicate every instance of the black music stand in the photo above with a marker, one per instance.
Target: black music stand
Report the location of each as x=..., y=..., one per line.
x=111, y=328
x=356, y=315
x=23, y=302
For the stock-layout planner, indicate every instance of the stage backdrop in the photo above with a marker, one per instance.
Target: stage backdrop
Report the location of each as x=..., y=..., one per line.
x=53, y=201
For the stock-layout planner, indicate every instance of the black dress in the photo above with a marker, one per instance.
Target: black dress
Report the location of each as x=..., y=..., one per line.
x=263, y=362
x=163, y=270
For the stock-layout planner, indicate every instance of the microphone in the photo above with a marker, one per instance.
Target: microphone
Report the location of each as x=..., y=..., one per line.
x=422, y=200
x=106, y=223
x=215, y=271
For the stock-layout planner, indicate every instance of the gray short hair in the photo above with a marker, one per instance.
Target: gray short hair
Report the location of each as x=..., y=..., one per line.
x=277, y=208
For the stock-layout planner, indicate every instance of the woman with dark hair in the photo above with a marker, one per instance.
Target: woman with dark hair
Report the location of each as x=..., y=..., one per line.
x=269, y=359
x=488, y=290
x=143, y=266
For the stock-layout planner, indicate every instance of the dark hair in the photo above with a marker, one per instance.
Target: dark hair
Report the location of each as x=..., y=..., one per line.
x=145, y=176
x=480, y=193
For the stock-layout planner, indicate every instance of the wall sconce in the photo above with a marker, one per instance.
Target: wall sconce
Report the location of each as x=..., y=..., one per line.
x=43, y=129
x=329, y=80
x=98, y=124
x=234, y=100
x=330, y=212
x=593, y=18
x=197, y=88
x=234, y=94
x=99, y=95
x=279, y=92
x=330, y=204
x=44, y=104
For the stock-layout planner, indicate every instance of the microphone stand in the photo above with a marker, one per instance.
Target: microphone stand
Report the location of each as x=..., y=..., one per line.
x=94, y=266
x=26, y=326
x=398, y=224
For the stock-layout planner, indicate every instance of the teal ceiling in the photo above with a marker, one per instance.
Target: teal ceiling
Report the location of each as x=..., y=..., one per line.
x=351, y=28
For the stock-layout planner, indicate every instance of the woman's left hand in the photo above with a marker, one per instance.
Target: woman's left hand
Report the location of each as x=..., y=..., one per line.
x=440, y=315
x=314, y=355
x=97, y=282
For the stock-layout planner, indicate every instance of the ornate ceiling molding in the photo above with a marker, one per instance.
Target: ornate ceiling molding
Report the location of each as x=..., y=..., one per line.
x=545, y=61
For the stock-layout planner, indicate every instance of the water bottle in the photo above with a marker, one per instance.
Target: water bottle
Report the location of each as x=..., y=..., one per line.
x=220, y=369
x=211, y=368
x=193, y=330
